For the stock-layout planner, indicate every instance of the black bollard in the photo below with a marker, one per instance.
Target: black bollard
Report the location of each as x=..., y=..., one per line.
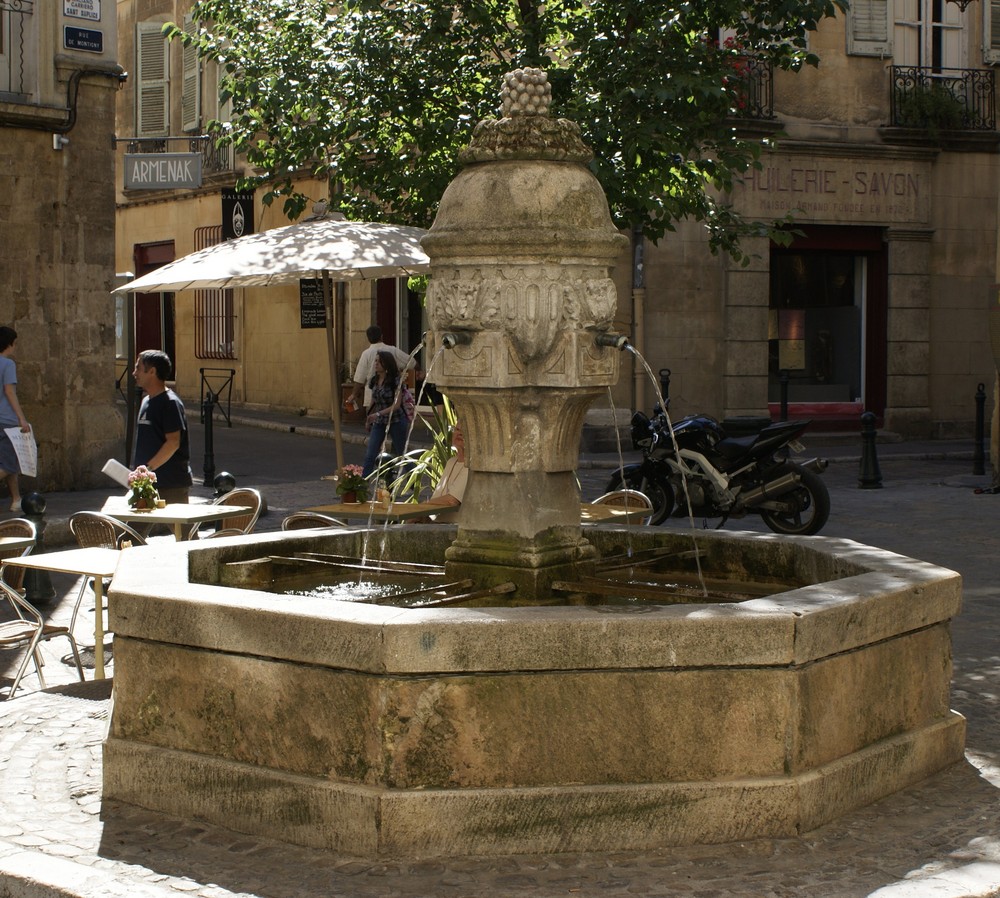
x=783, y=378
x=207, y=407
x=38, y=587
x=224, y=482
x=978, y=449
x=665, y=385
x=870, y=477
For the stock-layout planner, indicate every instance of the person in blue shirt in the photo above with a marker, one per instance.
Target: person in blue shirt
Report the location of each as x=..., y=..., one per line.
x=10, y=416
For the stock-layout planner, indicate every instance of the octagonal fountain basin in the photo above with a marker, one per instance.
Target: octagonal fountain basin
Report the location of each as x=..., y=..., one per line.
x=377, y=730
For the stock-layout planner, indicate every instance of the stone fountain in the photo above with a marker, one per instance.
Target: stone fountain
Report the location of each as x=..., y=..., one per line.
x=533, y=724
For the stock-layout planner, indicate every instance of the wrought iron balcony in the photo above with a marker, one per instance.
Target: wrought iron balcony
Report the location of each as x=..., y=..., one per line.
x=943, y=100
x=15, y=30
x=214, y=160
x=754, y=88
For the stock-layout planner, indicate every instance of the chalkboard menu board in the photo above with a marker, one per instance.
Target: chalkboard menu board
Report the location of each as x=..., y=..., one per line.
x=312, y=312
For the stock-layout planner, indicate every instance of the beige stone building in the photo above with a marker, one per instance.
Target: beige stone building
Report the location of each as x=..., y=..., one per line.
x=886, y=157
x=58, y=81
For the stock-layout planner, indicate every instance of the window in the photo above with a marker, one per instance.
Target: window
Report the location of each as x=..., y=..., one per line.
x=991, y=31
x=929, y=33
x=214, y=319
x=191, y=90
x=15, y=59
x=152, y=93
x=868, y=28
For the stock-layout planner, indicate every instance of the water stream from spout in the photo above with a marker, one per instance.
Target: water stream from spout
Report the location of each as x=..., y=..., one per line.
x=677, y=453
x=394, y=485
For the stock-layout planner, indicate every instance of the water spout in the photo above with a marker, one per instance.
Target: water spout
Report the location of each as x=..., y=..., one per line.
x=615, y=341
x=452, y=339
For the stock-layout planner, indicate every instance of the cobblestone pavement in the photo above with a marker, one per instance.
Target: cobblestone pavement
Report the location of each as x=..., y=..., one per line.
x=940, y=839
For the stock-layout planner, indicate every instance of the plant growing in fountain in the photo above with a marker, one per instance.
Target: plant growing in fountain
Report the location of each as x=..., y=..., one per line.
x=351, y=484
x=142, y=483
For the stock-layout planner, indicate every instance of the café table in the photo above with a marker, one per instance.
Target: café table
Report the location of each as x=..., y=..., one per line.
x=380, y=511
x=178, y=515
x=11, y=543
x=403, y=511
x=92, y=562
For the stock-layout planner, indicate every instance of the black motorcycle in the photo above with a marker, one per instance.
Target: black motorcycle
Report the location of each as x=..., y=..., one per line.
x=695, y=468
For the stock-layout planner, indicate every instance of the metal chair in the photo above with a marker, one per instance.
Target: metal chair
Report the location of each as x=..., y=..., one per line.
x=237, y=524
x=631, y=499
x=304, y=520
x=27, y=629
x=14, y=576
x=94, y=529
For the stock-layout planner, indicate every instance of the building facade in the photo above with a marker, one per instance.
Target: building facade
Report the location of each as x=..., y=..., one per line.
x=58, y=82
x=885, y=157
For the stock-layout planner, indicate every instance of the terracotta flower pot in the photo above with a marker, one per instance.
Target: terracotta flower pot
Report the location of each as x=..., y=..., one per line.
x=351, y=497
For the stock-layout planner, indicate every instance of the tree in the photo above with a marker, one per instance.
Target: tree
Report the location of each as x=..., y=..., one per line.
x=378, y=96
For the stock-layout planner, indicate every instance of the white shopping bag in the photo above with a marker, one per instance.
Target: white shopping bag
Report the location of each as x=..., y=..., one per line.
x=27, y=451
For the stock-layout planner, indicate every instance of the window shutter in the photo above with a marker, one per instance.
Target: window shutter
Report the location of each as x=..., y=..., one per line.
x=868, y=28
x=191, y=91
x=153, y=88
x=991, y=31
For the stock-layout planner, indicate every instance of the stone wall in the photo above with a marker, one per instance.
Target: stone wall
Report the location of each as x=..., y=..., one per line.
x=56, y=274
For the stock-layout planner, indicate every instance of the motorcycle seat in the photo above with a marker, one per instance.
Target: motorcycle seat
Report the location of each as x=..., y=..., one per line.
x=732, y=448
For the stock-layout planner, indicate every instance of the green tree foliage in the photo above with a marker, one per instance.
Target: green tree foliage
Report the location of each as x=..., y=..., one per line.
x=378, y=96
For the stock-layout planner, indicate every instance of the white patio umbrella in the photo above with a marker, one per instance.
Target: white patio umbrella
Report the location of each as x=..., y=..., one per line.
x=323, y=248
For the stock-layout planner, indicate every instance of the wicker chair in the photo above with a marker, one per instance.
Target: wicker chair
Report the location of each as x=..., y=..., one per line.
x=237, y=524
x=304, y=520
x=632, y=499
x=28, y=630
x=94, y=529
x=14, y=576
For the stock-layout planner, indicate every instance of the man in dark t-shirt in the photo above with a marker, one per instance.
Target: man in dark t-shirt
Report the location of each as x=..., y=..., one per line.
x=161, y=442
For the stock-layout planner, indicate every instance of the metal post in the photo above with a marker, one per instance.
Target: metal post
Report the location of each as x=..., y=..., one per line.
x=869, y=477
x=38, y=587
x=784, y=377
x=978, y=449
x=207, y=407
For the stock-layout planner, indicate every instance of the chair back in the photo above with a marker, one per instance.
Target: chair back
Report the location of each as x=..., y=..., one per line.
x=94, y=529
x=304, y=520
x=630, y=499
x=245, y=521
x=17, y=527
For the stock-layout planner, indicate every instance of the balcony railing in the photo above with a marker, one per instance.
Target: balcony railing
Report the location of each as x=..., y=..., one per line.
x=754, y=88
x=14, y=31
x=214, y=160
x=941, y=100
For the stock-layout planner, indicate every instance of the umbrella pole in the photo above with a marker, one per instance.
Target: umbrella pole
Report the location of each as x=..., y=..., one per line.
x=338, y=441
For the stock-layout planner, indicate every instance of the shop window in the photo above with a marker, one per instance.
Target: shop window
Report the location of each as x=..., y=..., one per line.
x=815, y=326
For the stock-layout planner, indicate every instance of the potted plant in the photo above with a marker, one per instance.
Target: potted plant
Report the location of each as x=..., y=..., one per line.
x=142, y=484
x=351, y=484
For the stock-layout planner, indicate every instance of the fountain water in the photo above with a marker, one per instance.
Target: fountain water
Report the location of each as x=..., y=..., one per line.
x=522, y=722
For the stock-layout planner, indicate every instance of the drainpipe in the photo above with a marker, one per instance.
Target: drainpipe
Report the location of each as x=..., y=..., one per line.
x=638, y=317
x=31, y=122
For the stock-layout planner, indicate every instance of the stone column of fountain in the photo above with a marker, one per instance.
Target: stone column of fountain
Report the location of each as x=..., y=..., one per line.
x=521, y=251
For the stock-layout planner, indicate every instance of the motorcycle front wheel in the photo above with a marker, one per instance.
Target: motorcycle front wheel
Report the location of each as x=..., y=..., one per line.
x=660, y=493
x=803, y=511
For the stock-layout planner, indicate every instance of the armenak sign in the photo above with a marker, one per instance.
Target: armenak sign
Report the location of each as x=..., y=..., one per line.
x=836, y=190
x=162, y=171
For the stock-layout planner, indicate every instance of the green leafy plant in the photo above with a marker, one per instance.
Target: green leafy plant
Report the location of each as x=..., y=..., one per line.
x=932, y=107
x=413, y=477
x=142, y=483
x=350, y=480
